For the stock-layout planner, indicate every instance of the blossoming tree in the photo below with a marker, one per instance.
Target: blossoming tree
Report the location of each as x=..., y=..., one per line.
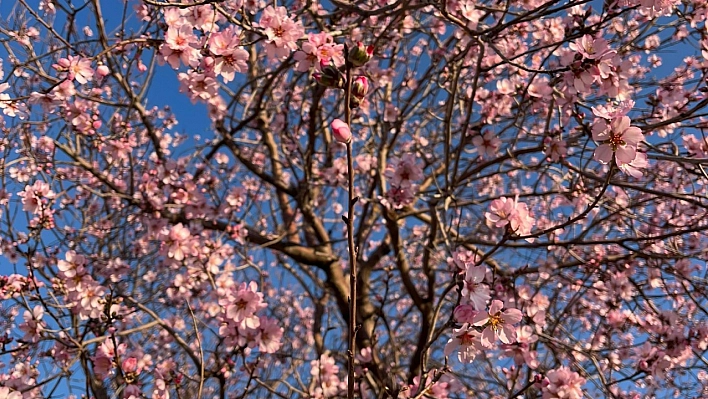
x=386, y=199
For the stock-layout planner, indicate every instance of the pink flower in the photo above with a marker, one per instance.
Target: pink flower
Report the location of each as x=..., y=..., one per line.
x=179, y=245
x=318, y=51
x=341, y=131
x=271, y=335
x=590, y=47
x=464, y=340
x=498, y=324
x=555, y=148
x=501, y=211
x=33, y=324
x=281, y=32
x=505, y=211
x=404, y=170
x=611, y=112
x=521, y=350
x=618, y=138
x=487, y=145
x=464, y=314
x=179, y=46
x=474, y=291
x=7, y=393
x=76, y=68
x=35, y=198
x=230, y=58
x=563, y=384
x=242, y=308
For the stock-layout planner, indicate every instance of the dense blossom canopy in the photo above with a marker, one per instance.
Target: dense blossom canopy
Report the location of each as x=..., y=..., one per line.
x=374, y=199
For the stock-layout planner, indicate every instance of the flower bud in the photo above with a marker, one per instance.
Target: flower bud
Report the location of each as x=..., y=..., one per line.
x=341, y=131
x=130, y=365
x=360, y=54
x=330, y=77
x=102, y=70
x=360, y=86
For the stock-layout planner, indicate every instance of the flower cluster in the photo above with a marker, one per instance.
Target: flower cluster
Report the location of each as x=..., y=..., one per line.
x=281, y=32
x=403, y=175
x=319, y=50
x=325, y=371
x=513, y=214
x=84, y=294
x=562, y=383
x=240, y=324
x=592, y=62
x=496, y=323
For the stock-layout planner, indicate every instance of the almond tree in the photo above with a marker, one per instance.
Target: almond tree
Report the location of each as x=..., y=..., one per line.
x=385, y=199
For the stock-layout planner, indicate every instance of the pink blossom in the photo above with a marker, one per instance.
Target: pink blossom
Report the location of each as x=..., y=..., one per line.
x=319, y=50
x=501, y=211
x=498, y=324
x=179, y=46
x=487, y=144
x=464, y=313
x=521, y=350
x=556, y=148
x=398, y=196
x=230, y=58
x=243, y=306
x=7, y=393
x=35, y=198
x=281, y=32
x=462, y=259
x=198, y=86
x=178, y=243
x=33, y=324
x=617, y=138
x=563, y=384
x=590, y=47
x=404, y=169
x=325, y=371
x=271, y=335
x=505, y=211
x=360, y=86
x=465, y=340
x=76, y=68
x=474, y=291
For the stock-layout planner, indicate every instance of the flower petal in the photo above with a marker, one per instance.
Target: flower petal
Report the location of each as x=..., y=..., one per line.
x=488, y=337
x=511, y=316
x=603, y=154
x=632, y=136
x=625, y=154
x=496, y=306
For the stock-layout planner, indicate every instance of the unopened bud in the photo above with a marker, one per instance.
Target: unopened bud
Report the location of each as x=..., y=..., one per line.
x=330, y=77
x=341, y=131
x=130, y=365
x=360, y=86
x=360, y=54
x=102, y=70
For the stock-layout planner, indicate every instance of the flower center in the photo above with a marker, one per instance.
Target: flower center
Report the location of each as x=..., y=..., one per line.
x=496, y=321
x=616, y=141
